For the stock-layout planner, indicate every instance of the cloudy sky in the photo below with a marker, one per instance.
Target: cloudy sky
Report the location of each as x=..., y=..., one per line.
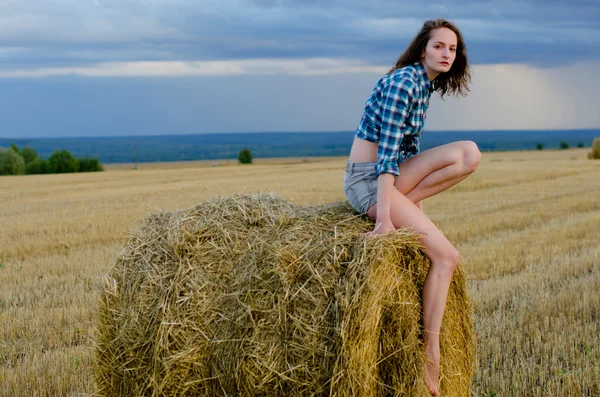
x=136, y=67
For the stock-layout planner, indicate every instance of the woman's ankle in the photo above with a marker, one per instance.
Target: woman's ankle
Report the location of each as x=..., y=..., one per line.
x=430, y=337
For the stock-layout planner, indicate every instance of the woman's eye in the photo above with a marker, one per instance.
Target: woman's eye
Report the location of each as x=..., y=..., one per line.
x=453, y=49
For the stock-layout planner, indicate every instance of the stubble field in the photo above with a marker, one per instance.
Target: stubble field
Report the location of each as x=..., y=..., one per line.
x=527, y=225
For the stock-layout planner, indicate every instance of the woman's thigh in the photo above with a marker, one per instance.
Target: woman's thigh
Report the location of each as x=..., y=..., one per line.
x=462, y=156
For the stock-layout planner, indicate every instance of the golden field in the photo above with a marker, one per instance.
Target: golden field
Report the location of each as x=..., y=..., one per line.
x=527, y=225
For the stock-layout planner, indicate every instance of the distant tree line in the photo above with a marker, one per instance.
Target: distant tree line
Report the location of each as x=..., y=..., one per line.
x=14, y=161
x=563, y=145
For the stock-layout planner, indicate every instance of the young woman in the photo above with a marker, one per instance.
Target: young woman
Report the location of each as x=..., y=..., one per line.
x=386, y=176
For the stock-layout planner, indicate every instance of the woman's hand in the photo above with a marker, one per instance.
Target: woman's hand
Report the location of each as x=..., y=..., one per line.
x=419, y=204
x=382, y=227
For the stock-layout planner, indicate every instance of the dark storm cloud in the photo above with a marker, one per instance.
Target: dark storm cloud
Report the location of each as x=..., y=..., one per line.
x=51, y=33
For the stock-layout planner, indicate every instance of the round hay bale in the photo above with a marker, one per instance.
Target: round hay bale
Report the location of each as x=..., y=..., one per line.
x=595, y=153
x=252, y=295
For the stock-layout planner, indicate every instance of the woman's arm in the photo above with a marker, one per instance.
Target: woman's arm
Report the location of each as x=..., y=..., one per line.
x=383, y=223
x=396, y=107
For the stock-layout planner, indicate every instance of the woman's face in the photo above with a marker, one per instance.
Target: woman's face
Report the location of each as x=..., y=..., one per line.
x=440, y=52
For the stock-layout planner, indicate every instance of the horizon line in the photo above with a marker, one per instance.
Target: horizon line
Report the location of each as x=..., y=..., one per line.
x=286, y=132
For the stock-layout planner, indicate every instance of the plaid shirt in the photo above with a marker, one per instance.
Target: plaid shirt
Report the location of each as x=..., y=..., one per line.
x=395, y=115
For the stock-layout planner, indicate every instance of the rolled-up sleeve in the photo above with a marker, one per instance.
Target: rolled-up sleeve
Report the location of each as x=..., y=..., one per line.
x=395, y=108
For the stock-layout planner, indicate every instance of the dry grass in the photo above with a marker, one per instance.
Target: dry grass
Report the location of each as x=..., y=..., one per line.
x=526, y=225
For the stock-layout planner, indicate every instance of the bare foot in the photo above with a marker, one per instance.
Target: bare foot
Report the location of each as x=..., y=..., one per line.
x=432, y=366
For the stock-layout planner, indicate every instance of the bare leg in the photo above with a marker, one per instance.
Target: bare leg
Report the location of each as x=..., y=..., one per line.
x=422, y=176
x=444, y=259
x=435, y=293
x=437, y=169
x=425, y=191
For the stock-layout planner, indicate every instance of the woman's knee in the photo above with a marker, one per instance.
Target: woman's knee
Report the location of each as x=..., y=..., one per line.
x=446, y=261
x=471, y=156
x=452, y=258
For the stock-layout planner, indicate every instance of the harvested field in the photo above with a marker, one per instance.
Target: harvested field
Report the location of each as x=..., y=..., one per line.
x=526, y=225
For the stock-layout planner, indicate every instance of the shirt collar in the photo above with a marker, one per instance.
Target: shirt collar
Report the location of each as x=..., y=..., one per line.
x=423, y=78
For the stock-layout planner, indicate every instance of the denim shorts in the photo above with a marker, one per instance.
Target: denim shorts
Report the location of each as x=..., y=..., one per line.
x=360, y=185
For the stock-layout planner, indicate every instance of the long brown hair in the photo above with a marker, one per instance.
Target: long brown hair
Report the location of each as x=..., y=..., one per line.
x=456, y=80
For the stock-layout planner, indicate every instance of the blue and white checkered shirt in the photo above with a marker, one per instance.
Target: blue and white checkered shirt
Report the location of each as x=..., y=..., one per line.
x=395, y=115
